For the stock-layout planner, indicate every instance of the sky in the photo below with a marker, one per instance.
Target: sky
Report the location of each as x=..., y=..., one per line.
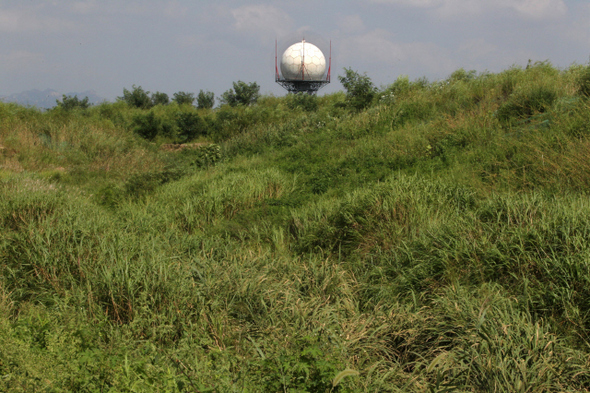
x=189, y=45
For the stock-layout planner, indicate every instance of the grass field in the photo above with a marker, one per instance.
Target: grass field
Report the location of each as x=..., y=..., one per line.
x=437, y=240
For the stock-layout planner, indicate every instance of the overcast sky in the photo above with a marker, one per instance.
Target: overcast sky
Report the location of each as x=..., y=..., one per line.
x=188, y=45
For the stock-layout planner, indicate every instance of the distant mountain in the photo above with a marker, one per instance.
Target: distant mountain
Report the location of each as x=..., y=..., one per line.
x=47, y=98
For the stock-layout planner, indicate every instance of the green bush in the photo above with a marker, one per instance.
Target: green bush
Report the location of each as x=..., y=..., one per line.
x=524, y=104
x=190, y=126
x=360, y=91
x=184, y=98
x=583, y=83
x=148, y=125
x=205, y=100
x=303, y=101
x=159, y=98
x=242, y=94
x=137, y=98
x=69, y=103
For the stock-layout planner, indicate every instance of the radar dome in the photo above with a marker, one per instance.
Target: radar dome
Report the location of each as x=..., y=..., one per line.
x=303, y=61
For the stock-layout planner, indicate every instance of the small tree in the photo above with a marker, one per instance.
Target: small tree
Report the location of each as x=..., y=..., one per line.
x=190, y=126
x=137, y=98
x=205, y=100
x=359, y=89
x=69, y=103
x=182, y=98
x=148, y=126
x=242, y=94
x=160, y=98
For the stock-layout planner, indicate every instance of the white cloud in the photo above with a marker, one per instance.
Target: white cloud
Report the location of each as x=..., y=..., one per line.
x=378, y=46
x=411, y=3
x=31, y=19
x=476, y=49
x=350, y=23
x=174, y=9
x=84, y=7
x=265, y=21
x=21, y=60
x=538, y=9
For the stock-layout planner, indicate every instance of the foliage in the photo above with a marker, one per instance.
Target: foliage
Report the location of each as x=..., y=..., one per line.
x=242, y=94
x=190, y=126
x=137, y=98
x=437, y=240
x=159, y=98
x=184, y=98
x=304, y=101
x=148, y=125
x=359, y=89
x=583, y=82
x=205, y=100
x=524, y=104
x=69, y=103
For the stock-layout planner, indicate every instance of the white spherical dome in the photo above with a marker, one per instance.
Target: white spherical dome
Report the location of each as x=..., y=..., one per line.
x=303, y=61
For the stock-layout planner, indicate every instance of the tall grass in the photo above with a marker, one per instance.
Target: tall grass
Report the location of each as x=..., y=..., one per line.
x=436, y=241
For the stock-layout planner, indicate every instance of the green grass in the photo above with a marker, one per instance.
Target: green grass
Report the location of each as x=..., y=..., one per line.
x=436, y=241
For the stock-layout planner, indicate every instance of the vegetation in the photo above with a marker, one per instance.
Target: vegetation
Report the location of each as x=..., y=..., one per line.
x=205, y=100
x=242, y=94
x=436, y=239
x=183, y=97
x=69, y=103
x=360, y=91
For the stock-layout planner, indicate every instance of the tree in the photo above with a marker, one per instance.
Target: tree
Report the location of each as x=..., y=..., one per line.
x=160, y=98
x=148, y=126
x=190, y=125
x=137, y=98
x=359, y=89
x=205, y=100
x=182, y=98
x=242, y=94
x=69, y=103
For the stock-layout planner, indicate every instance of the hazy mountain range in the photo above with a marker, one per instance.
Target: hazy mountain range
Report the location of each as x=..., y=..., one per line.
x=47, y=98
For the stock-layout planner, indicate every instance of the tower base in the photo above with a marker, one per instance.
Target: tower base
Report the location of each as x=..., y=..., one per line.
x=309, y=87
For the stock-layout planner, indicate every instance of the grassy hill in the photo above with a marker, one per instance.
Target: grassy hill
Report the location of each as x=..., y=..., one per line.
x=436, y=240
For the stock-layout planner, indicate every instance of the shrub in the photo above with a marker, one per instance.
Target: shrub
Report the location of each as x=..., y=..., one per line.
x=306, y=102
x=160, y=98
x=69, y=103
x=183, y=98
x=190, y=126
x=148, y=126
x=583, y=83
x=242, y=94
x=462, y=76
x=137, y=98
x=205, y=100
x=359, y=89
x=524, y=104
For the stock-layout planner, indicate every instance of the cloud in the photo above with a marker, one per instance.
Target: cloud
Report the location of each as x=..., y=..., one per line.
x=411, y=3
x=84, y=7
x=31, y=19
x=350, y=23
x=476, y=49
x=537, y=9
x=174, y=9
x=378, y=47
x=264, y=21
x=18, y=61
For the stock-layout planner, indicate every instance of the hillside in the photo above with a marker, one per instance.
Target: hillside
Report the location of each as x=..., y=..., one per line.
x=435, y=238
